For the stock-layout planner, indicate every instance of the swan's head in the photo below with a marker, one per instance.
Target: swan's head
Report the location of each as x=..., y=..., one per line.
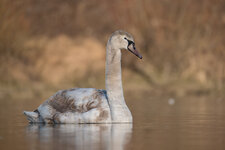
x=123, y=40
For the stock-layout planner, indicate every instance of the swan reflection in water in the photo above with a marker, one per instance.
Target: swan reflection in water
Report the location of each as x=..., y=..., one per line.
x=79, y=136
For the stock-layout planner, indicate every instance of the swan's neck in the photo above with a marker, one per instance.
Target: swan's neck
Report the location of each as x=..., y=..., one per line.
x=118, y=107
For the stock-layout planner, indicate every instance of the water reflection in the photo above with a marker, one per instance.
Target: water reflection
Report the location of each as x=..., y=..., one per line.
x=80, y=136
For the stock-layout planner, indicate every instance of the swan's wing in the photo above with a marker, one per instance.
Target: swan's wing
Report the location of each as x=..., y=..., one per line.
x=78, y=105
x=76, y=100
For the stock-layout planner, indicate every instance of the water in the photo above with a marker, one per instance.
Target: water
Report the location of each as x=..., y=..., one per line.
x=194, y=123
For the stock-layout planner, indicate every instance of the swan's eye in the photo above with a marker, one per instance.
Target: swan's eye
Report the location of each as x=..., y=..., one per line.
x=129, y=41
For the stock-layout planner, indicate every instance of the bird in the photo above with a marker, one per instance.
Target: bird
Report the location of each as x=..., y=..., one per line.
x=90, y=105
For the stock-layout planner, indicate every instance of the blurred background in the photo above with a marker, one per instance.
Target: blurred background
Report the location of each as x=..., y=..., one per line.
x=176, y=93
x=51, y=45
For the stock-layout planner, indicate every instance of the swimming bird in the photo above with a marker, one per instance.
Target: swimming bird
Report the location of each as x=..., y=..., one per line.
x=90, y=105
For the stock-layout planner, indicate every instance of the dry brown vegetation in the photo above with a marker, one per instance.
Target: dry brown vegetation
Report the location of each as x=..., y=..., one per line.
x=61, y=43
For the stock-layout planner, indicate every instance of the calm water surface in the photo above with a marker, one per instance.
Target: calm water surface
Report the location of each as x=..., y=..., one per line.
x=159, y=123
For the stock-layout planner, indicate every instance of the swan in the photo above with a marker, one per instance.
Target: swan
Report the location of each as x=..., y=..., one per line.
x=90, y=105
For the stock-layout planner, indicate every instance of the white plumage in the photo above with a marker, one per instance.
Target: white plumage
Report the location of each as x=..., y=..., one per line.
x=89, y=105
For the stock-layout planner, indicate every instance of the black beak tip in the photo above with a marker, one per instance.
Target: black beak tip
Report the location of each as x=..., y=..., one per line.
x=140, y=57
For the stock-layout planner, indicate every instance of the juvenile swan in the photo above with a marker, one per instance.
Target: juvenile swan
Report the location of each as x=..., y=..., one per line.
x=89, y=105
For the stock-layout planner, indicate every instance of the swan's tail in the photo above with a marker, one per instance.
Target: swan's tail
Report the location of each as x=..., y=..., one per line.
x=33, y=116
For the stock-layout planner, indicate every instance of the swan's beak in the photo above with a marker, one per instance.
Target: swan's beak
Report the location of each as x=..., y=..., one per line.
x=133, y=50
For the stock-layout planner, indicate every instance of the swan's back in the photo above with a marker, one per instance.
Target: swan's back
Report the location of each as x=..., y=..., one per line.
x=76, y=100
x=77, y=105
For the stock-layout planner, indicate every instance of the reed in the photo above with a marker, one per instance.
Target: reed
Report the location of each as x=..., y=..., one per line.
x=182, y=40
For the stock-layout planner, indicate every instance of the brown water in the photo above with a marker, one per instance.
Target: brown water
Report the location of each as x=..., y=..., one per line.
x=195, y=123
